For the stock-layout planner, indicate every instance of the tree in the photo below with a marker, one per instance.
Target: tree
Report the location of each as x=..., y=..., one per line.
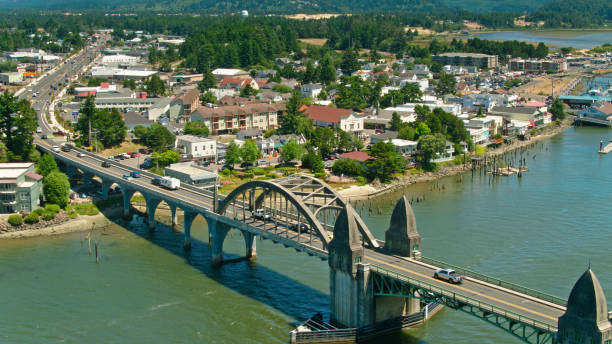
x=46, y=165
x=313, y=162
x=17, y=123
x=86, y=114
x=294, y=121
x=56, y=188
x=446, y=85
x=429, y=147
x=291, y=151
x=110, y=126
x=232, y=154
x=140, y=131
x=328, y=71
x=248, y=91
x=480, y=114
x=130, y=83
x=249, y=152
x=165, y=158
x=155, y=86
x=208, y=81
x=557, y=109
x=348, y=167
x=406, y=133
x=422, y=130
x=396, y=122
x=349, y=64
x=541, y=50
x=197, y=128
x=158, y=138
x=385, y=162
x=208, y=97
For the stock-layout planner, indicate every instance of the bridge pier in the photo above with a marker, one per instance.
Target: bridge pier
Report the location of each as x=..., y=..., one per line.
x=402, y=237
x=187, y=222
x=127, y=197
x=250, y=243
x=218, y=230
x=152, y=204
x=173, y=216
x=106, y=184
x=87, y=179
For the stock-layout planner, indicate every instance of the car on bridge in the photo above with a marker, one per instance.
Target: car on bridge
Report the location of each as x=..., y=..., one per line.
x=448, y=275
x=106, y=164
x=80, y=155
x=304, y=228
x=156, y=181
x=127, y=176
x=55, y=148
x=260, y=214
x=135, y=174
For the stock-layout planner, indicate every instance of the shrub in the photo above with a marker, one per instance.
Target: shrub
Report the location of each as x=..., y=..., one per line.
x=320, y=175
x=38, y=211
x=48, y=215
x=73, y=215
x=258, y=171
x=361, y=180
x=15, y=220
x=226, y=172
x=31, y=218
x=271, y=175
x=348, y=167
x=53, y=208
x=269, y=168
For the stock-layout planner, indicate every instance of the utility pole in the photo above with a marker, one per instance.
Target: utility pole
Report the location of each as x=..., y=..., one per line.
x=89, y=129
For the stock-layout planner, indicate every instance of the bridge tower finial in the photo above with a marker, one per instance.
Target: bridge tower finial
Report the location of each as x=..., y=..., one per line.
x=345, y=249
x=402, y=236
x=586, y=315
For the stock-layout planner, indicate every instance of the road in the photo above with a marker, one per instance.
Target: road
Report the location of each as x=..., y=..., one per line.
x=44, y=87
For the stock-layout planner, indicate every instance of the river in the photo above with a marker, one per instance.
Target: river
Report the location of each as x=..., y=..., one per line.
x=574, y=39
x=540, y=231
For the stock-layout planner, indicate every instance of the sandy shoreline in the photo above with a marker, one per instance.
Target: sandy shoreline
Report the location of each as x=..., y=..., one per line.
x=82, y=223
x=356, y=193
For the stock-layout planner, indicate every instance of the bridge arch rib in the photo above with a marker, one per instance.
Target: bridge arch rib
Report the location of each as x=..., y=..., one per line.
x=268, y=187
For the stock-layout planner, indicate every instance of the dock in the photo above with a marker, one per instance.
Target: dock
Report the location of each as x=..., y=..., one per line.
x=605, y=150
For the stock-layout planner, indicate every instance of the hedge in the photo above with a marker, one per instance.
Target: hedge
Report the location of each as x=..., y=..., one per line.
x=31, y=218
x=15, y=220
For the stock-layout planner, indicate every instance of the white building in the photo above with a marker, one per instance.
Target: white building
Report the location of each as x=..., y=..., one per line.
x=198, y=147
x=405, y=147
x=119, y=59
x=311, y=90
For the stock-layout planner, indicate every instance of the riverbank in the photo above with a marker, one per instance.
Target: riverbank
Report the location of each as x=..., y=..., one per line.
x=356, y=193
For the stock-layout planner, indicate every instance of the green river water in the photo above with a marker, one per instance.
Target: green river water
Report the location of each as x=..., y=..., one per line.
x=539, y=231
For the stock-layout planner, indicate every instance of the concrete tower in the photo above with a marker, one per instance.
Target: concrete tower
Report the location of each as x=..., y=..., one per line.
x=586, y=317
x=402, y=237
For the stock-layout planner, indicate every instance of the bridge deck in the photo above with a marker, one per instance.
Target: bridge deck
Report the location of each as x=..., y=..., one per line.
x=505, y=299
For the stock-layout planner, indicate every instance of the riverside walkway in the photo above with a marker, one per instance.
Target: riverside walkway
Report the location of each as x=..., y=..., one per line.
x=370, y=280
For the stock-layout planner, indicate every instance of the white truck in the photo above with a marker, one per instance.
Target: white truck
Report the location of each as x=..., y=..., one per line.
x=170, y=183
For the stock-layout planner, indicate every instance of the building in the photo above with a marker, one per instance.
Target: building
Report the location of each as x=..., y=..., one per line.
x=237, y=84
x=133, y=119
x=405, y=147
x=225, y=119
x=356, y=155
x=220, y=73
x=11, y=78
x=538, y=65
x=182, y=106
x=119, y=59
x=325, y=116
x=537, y=116
x=197, y=147
x=467, y=59
x=386, y=136
x=600, y=113
x=192, y=174
x=20, y=187
x=186, y=78
x=311, y=90
x=251, y=133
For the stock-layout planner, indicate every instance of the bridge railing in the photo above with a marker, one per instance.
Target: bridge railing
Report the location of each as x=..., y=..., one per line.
x=497, y=282
x=462, y=299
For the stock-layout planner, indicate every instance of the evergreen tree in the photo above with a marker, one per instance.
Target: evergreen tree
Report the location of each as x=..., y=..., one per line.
x=328, y=71
x=349, y=63
x=208, y=81
x=232, y=154
x=155, y=86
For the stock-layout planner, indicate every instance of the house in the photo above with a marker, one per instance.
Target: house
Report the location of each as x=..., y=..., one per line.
x=186, y=78
x=20, y=186
x=251, y=133
x=182, y=106
x=159, y=109
x=311, y=90
x=448, y=154
x=537, y=116
x=356, y=155
x=224, y=119
x=407, y=115
x=386, y=136
x=197, y=147
x=133, y=119
x=221, y=73
x=192, y=174
x=325, y=116
x=237, y=84
x=11, y=78
x=405, y=147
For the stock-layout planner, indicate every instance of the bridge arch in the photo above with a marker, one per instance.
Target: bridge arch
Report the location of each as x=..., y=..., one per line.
x=268, y=188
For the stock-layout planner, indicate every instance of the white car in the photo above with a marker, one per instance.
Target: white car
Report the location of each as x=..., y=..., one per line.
x=81, y=155
x=39, y=130
x=55, y=148
x=448, y=275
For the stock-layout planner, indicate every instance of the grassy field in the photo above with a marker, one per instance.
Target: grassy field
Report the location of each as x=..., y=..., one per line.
x=124, y=148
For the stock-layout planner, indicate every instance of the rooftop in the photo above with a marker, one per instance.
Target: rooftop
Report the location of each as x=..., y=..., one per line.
x=605, y=108
x=465, y=54
x=193, y=138
x=356, y=155
x=325, y=113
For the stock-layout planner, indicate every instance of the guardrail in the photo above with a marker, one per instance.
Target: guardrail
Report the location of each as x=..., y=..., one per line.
x=495, y=281
x=453, y=296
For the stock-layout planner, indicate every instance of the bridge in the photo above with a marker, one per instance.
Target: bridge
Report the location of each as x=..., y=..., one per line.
x=371, y=280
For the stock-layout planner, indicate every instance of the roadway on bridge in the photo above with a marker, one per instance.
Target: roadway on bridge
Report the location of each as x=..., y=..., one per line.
x=496, y=296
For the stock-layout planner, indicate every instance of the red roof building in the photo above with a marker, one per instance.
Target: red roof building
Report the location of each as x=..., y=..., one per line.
x=325, y=116
x=237, y=83
x=356, y=155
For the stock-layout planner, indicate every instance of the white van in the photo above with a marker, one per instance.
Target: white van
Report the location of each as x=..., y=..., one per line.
x=170, y=183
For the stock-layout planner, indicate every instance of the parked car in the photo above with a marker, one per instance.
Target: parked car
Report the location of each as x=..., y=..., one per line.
x=55, y=148
x=143, y=151
x=134, y=154
x=135, y=174
x=260, y=214
x=106, y=164
x=221, y=162
x=119, y=157
x=127, y=176
x=448, y=275
x=39, y=130
x=126, y=155
x=44, y=137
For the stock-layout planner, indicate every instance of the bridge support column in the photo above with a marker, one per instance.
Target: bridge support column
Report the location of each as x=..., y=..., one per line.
x=173, y=216
x=402, y=237
x=71, y=172
x=218, y=231
x=250, y=243
x=152, y=204
x=351, y=290
x=106, y=184
x=127, y=197
x=87, y=179
x=187, y=221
